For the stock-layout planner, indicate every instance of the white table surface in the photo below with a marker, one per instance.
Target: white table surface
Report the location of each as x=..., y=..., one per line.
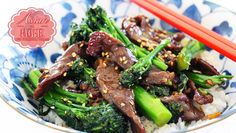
x=12, y=122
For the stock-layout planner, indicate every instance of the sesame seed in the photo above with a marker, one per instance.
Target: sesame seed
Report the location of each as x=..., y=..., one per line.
x=46, y=70
x=46, y=76
x=104, y=64
x=121, y=59
x=125, y=62
x=106, y=53
x=116, y=68
x=165, y=55
x=65, y=112
x=171, y=63
x=132, y=103
x=73, y=54
x=164, y=80
x=105, y=91
x=144, y=44
x=150, y=48
x=81, y=63
x=107, y=56
x=72, y=33
x=140, y=78
x=81, y=45
x=103, y=54
x=64, y=74
x=70, y=63
x=122, y=104
x=139, y=40
x=90, y=95
x=124, y=58
x=164, y=31
x=52, y=107
x=210, y=82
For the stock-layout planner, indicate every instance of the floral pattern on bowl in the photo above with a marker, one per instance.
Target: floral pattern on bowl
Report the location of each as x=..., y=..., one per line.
x=16, y=62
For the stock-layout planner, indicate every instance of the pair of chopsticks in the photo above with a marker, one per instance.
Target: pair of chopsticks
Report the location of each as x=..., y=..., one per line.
x=190, y=27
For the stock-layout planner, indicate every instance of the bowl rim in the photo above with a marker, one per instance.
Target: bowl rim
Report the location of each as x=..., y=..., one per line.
x=71, y=130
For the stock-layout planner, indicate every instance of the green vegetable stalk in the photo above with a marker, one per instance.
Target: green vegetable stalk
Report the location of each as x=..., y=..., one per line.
x=206, y=81
x=97, y=20
x=152, y=107
x=132, y=75
x=187, y=53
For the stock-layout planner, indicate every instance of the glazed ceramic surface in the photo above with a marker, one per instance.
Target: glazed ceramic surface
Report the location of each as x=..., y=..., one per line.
x=16, y=62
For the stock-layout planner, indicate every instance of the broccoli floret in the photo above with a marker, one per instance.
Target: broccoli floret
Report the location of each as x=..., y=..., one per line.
x=80, y=71
x=132, y=75
x=98, y=20
x=79, y=33
x=176, y=110
x=98, y=119
x=102, y=118
x=159, y=91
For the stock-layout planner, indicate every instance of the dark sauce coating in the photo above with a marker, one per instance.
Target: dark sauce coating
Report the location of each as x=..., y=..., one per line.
x=139, y=30
x=114, y=93
x=102, y=44
x=203, y=66
x=59, y=69
x=197, y=96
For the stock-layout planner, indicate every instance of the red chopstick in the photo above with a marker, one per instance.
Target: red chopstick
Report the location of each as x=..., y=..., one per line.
x=190, y=27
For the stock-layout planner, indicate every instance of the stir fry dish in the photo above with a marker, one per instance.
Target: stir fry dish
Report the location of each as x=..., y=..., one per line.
x=109, y=77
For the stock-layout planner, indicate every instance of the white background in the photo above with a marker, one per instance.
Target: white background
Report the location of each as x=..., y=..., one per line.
x=11, y=121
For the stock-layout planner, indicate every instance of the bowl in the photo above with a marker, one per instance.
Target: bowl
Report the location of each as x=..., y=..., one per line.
x=15, y=62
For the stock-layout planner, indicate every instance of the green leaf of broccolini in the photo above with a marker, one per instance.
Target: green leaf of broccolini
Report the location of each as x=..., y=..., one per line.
x=187, y=53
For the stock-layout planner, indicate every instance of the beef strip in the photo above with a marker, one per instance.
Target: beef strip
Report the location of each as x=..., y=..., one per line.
x=203, y=66
x=139, y=30
x=197, y=96
x=158, y=77
x=103, y=44
x=114, y=93
x=59, y=69
x=190, y=112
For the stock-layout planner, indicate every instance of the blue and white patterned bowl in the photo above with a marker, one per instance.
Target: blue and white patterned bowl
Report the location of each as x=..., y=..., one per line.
x=16, y=62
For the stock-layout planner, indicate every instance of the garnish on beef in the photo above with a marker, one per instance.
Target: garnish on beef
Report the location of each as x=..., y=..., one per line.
x=113, y=92
x=139, y=30
x=102, y=44
x=59, y=69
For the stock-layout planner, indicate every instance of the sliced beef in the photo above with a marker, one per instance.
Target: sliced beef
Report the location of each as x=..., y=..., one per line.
x=139, y=30
x=59, y=69
x=103, y=44
x=158, y=77
x=203, y=66
x=169, y=58
x=114, y=93
x=190, y=112
x=197, y=96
